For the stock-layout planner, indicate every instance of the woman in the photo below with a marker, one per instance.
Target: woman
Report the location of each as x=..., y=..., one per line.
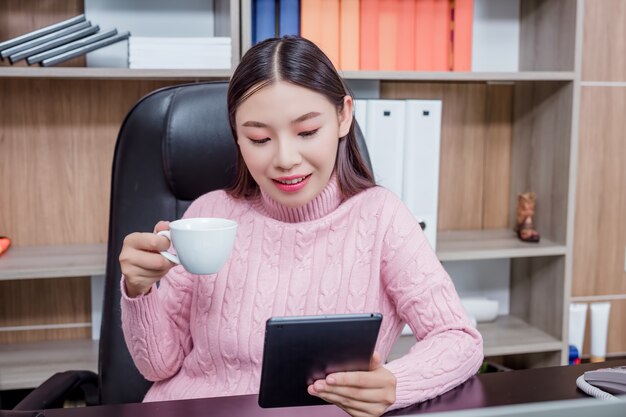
x=315, y=236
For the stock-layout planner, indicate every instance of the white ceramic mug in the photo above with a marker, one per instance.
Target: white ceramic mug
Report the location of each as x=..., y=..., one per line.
x=203, y=244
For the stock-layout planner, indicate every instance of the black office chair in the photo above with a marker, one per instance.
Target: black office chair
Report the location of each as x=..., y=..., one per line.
x=174, y=145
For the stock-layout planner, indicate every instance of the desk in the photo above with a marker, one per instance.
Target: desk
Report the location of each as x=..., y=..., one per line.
x=487, y=390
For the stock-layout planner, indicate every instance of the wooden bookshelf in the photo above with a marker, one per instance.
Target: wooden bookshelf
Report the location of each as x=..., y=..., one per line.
x=27, y=365
x=112, y=73
x=53, y=261
x=491, y=244
x=503, y=132
x=507, y=335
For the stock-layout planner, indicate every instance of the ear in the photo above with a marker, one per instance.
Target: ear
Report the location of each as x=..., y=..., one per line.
x=345, y=116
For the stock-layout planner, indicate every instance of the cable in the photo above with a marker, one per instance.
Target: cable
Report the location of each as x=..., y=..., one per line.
x=589, y=389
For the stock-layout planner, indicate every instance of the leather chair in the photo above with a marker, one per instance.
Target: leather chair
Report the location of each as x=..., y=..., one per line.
x=174, y=145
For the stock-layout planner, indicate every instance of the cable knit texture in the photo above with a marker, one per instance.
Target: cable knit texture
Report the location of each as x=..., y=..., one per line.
x=202, y=335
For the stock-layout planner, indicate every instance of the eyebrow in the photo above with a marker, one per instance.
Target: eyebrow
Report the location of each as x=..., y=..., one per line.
x=302, y=118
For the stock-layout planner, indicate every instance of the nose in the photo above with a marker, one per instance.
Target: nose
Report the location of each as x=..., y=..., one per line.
x=287, y=155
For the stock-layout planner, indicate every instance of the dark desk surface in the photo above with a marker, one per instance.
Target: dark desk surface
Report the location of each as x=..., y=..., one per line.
x=487, y=390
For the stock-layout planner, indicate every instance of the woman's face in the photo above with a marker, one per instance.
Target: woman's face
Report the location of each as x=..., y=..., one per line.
x=288, y=136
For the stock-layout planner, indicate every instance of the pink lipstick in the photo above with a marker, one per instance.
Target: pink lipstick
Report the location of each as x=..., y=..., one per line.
x=292, y=183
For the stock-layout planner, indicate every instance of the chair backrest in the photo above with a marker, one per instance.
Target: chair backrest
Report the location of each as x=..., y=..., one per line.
x=161, y=164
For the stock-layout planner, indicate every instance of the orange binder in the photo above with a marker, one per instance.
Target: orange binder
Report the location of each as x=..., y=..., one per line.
x=349, y=32
x=369, y=35
x=329, y=29
x=389, y=11
x=432, y=35
x=310, y=20
x=463, y=19
x=405, y=50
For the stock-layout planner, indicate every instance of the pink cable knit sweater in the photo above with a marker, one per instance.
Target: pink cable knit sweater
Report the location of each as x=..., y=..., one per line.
x=202, y=336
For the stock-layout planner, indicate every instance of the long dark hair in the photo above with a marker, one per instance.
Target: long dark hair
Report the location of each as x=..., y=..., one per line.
x=298, y=61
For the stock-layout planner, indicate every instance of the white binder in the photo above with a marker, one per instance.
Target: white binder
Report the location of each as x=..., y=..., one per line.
x=420, y=191
x=360, y=114
x=385, y=142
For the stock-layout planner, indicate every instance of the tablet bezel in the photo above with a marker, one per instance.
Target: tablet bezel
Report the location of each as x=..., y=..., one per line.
x=299, y=349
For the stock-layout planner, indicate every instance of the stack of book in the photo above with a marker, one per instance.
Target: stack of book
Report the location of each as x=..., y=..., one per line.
x=375, y=35
x=179, y=53
x=59, y=42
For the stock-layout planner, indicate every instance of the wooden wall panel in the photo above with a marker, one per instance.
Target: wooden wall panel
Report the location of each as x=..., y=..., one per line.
x=600, y=231
x=475, y=150
x=604, y=41
x=17, y=18
x=56, y=148
x=43, y=302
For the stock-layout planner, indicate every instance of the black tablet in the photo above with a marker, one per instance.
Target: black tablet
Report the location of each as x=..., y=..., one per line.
x=300, y=350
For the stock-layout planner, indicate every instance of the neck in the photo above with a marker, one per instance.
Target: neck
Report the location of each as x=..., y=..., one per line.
x=325, y=202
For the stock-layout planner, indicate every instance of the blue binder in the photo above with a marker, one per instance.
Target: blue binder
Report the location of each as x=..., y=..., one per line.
x=289, y=17
x=263, y=20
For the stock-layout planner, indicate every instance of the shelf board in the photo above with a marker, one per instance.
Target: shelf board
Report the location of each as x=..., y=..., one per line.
x=55, y=261
x=113, y=73
x=491, y=244
x=460, y=76
x=507, y=335
x=27, y=365
x=207, y=74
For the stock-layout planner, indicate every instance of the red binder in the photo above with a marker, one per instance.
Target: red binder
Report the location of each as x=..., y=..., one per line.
x=369, y=35
x=432, y=35
x=405, y=51
x=463, y=15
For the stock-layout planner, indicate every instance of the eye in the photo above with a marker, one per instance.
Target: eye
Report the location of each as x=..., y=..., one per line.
x=308, y=133
x=259, y=141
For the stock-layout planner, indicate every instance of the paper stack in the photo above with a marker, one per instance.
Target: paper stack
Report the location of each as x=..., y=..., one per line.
x=179, y=53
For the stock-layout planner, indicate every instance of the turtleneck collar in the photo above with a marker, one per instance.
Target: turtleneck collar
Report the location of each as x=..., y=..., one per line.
x=325, y=202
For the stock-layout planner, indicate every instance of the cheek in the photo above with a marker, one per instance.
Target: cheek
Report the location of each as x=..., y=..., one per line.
x=253, y=158
x=323, y=155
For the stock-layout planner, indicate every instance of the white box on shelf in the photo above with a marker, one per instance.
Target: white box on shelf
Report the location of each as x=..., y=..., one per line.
x=179, y=53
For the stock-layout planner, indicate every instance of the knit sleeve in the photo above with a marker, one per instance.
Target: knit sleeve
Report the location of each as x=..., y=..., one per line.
x=448, y=349
x=156, y=325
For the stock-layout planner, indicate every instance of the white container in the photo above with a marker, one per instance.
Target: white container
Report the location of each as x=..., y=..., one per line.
x=482, y=309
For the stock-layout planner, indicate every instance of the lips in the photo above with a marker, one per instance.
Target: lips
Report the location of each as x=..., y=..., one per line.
x=291, y=184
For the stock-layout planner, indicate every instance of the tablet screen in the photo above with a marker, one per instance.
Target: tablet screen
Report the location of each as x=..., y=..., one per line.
x=300, y=350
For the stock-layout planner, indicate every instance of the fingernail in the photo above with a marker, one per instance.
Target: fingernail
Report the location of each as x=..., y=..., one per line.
x=318, y=386
x=331, y=379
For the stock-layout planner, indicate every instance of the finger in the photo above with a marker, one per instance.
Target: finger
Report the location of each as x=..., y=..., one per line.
x=154, y=263
x=375, y=362
x=147, y=242
x=357, y=379
x=365, y=395
x=161, y=225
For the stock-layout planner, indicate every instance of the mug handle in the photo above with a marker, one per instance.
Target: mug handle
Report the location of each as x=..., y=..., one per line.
x=170, y=257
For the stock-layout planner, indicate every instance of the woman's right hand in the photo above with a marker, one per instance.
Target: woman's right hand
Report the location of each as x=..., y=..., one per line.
x=141, y=262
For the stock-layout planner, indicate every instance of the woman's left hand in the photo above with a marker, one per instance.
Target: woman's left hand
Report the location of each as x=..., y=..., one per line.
x=359, y=394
